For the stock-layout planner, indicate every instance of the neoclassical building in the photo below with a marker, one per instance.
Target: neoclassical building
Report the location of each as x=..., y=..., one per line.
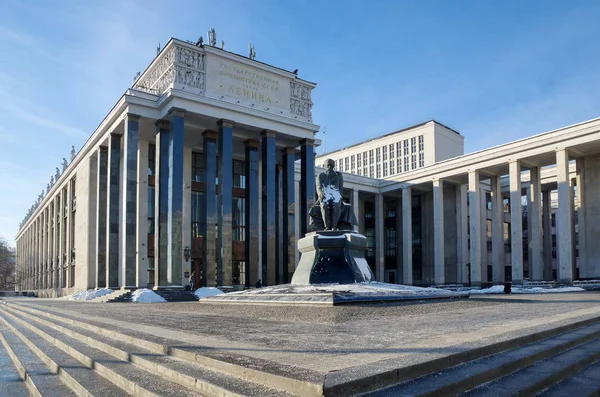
x=206, y=165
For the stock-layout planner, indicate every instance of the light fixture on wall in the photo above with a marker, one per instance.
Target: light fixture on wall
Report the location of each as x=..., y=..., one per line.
x=187, y=253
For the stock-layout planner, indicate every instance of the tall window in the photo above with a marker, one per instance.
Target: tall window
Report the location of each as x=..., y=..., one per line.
x=406, y=164
x=151, y=198
x=377, y=155
x=421, y=159
x=385, y=170
x=391, y=150
x=413, y=161
x=197, y=164
x=421, y=143
x=398, y=149
x=384, y=149
x=239, y=174
x=392, y=167
x=151, y=159
x=238, y=224
x=406, y=147
x=413, y=145
x=197, y=200
x=239, y=273
x=390, y=241
x=399, y=165
x=352, y=164
x=378, y=170
x=371, y=157
x=371, y=173
x=358, y=162
x=364, y=156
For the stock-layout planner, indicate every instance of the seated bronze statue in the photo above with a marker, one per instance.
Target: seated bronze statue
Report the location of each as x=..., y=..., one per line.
x=330, y=212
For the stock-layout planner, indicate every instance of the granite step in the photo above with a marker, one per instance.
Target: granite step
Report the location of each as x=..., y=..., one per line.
x=185, y=373
x=12, y=383
x=123, y=374
x=583, y=383
x=80, y=378
x=466, y=376
x=40, y=379
x=273, y=376
x=542, y=374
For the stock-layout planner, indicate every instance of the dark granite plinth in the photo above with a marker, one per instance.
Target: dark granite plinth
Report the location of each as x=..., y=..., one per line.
x=332, y=256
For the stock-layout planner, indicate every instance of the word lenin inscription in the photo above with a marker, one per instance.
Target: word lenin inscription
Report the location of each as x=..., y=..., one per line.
x=247, y=85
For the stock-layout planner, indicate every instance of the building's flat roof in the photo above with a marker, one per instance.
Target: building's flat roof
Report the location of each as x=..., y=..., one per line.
x=389, y=134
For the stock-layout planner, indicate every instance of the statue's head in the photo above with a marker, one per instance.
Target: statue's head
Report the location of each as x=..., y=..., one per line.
x=330, y=164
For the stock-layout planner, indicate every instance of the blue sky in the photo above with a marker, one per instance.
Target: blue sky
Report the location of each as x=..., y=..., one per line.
x=496, y=71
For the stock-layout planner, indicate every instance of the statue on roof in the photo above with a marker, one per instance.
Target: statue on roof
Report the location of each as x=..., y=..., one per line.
x=64, y=164
x=72, y=153
x=57, y=174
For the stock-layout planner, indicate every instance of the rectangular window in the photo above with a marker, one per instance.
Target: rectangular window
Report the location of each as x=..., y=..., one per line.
x=413, y=161
x=239, y=174
x=421, y=159
x=364, y=156
x=413, y=145
x=365, y=171
x=347, y=164
x=238, y=276
x=378, y=170
x=352, y=164
x=399, y=165
x=358, y=161
x=399, y=149
x=384, y=149
x=151, y=197
x=384, y=170
x=390, y=241
x=371, y=169
x=378, y=155
x=392, y=167
x=359, y=171
x=391, y=150
x=151, y=159
x=406, y=164
x=238, y=223
x=421, y=143
x=553, y=221
x=197, y=200
x=406, y=147
x=197, y=165
x=371, y=157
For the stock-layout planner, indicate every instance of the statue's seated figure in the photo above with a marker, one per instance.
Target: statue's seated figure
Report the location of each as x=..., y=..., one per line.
x=330, y=212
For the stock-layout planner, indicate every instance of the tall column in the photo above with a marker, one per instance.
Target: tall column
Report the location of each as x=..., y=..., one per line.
x=175, y=199
x=475, y=228
x=516, y=227
x=379, y=238
x=161, y=204
x=498, y=255
x=268, y=207
x=483, y=241
x=278, y=224
x=129, y=201
x=307, y=182
x=438, y=232
x=407, y=260
x=187, y=213
x=251, y=212
x=289, y=222
x=141, y=239
x=209, y=222
x=547, y=235
x=534, y=216
x=57, y=258
x=355, y=207
x=224, y=202
x=398, y=225
x=67, y=226
x=563, y=219
x=101, y=216
x=584, y=271
x=462, y=227
x=112, y=205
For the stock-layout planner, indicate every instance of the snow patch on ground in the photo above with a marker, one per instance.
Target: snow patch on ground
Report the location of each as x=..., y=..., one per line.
x=90, y=294
x=207, y=291
x=499, y=289
x=145, y=295
x=361, y=288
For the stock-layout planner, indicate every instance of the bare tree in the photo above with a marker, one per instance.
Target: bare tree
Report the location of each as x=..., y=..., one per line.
x=8, y=276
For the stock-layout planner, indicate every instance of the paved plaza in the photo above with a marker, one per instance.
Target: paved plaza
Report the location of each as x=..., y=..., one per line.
x=324, y=339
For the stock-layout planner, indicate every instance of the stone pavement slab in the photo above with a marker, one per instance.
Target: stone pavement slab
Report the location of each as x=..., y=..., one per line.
x=358, y=339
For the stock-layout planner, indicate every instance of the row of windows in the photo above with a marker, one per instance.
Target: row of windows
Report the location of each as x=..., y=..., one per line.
x=387, y=158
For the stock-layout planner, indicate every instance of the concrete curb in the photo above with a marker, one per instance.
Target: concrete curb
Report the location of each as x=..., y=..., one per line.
x=295, y=386
x=31, y=386
x=52, y=366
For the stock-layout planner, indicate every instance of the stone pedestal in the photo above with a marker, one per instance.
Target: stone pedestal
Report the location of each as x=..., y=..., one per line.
x=332, y=256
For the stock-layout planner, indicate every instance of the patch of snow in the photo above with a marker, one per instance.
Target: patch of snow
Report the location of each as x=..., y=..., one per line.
x=90, y=294
x=364, y=268
x=207, y=291
x=499, y=289
x=145, y=295
x=362, y=288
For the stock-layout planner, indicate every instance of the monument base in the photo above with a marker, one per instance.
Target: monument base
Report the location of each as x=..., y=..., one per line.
x=332, y=257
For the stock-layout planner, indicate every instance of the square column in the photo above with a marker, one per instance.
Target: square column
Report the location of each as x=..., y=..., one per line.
x=547, y=235
x=438, y=232
x=498, y=256
x=251, y=213
x=379, y=238
x=129, y=200
x=268, y=207
x=534, y=216
x=355, y=207
x=516, y=227
x=407, y=260
x=399, y=241
x=307, y=182
x=278, y=222
x=57, y=259
x=584, y=269
x=112, y=205
x=209, y=221
x=224, y=202
x=141, y=258
x=161, y=208
x=475, y=228
x=289, y=217
x=101, y=216
x=175, y=200
x=564, y=237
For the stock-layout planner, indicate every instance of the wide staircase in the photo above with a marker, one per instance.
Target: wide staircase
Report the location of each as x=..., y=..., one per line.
x=49, y=353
